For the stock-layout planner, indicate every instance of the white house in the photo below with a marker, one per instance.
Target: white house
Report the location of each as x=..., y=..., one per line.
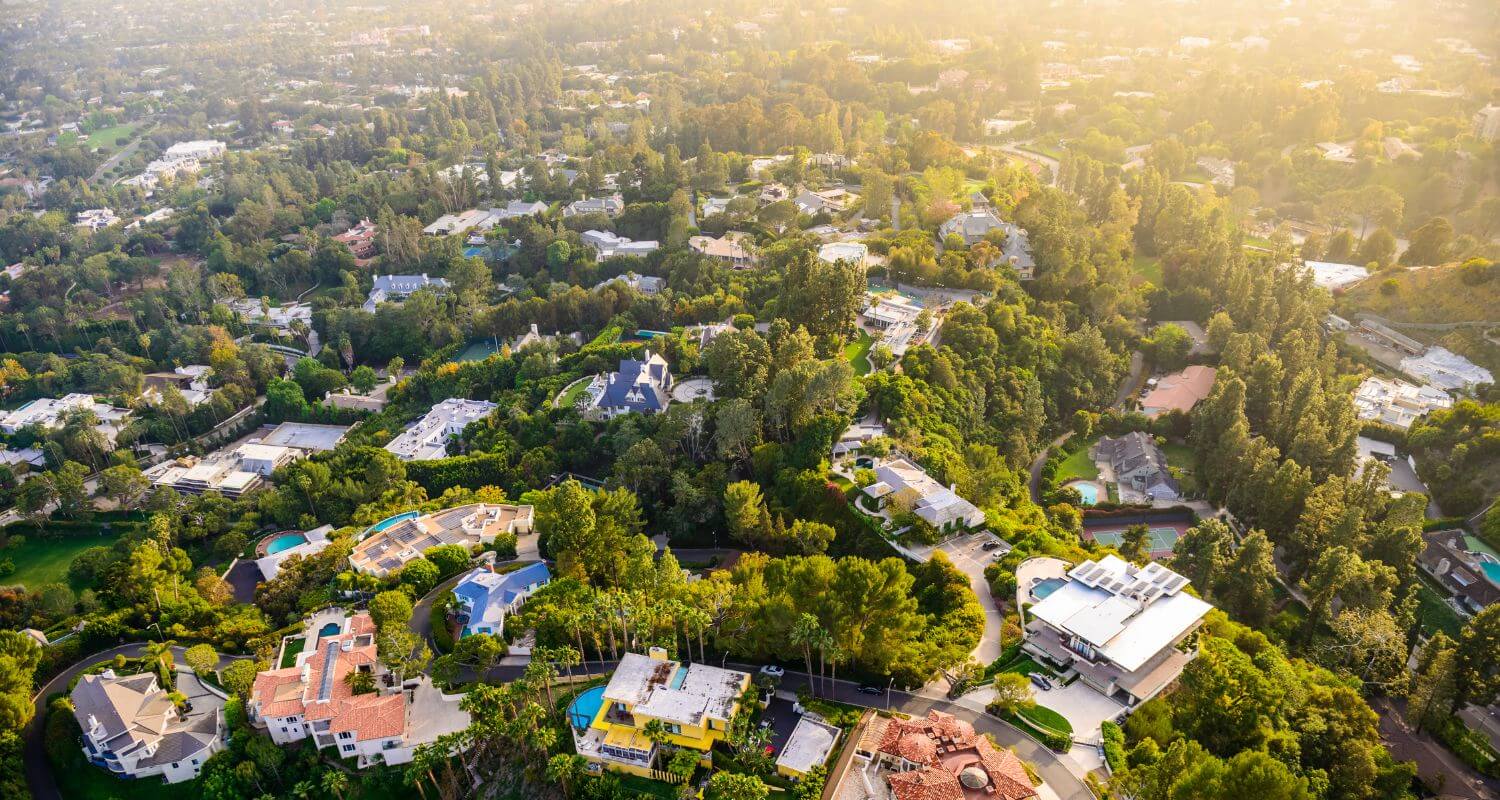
x=1396, y=402
x=486, y=597
x=132, y=728
x=1120, y=628
x=939, y=505
x=606, y=244
x=427, y=439
x=396, y=288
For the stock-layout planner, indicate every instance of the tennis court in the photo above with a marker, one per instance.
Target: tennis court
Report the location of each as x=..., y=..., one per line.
x=1163, y=537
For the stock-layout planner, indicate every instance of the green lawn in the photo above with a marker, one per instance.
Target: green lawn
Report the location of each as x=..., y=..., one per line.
x=1432, y=613
x=1149, y=268
x=856, y=351
x=40, y=561
x=1078, y=466
x=1047, y=719
x=289, y=654
x=105, y=137
x=574, y=391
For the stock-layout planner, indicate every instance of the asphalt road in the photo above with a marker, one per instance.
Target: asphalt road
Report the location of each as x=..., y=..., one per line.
x=38, y=769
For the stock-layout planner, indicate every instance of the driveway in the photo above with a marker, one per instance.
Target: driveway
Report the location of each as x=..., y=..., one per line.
x=968, y=554
x=1083, y=707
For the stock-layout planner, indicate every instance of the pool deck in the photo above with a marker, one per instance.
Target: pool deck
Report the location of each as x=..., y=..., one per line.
x=262, y=548
x=1035, y=569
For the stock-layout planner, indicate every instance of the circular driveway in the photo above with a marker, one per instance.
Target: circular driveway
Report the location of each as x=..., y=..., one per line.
x=692, y=390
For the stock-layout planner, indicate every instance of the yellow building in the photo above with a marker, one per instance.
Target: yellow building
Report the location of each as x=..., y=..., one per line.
x=693, y=703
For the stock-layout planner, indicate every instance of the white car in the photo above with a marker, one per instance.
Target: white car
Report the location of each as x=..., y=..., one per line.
x=773, y=671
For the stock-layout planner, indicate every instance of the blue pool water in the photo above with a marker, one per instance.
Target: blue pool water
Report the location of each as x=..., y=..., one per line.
x=331, y=629
x=389, y=521
x=476, y=251
x=585, y=707
x=1491, y=571
x=285, y=541
x=1046, y=586
x=1088, y=491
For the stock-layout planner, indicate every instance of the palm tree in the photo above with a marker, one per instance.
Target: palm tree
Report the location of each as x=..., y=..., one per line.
x=805, y=633
x=335, y=783
x=564, y=768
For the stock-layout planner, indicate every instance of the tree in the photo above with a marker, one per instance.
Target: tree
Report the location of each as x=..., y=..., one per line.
x=806, y=633
x=1135, y=544
x=736, y=786
x=1248, y=591
x=124, y=483
x=390, y=608
x=1429, y=243
x=239, y=676
x=745, y=512
x=420, y=575
x=1434, y=684
x=1012, y=694
x=1168, y=346
x=363, y=379
x=201, y=658
x=1478, y=657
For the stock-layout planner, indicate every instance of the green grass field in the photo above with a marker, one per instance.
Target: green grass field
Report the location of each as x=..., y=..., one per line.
x=105, y=137
x=574, y=391
x=1077, y=466
x=1433, y=614
x=1047, y=719
x=857, y=352
x=1149, y=268
x=41, y=561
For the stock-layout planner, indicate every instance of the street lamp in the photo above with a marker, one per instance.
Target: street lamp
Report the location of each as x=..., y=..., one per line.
x=888, y=693
x=159, y=633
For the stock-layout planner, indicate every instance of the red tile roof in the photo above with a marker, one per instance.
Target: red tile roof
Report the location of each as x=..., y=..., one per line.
x=284, y=692
x=945, y=747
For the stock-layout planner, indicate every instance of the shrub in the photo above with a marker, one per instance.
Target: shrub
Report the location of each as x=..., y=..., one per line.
x=1114, y=745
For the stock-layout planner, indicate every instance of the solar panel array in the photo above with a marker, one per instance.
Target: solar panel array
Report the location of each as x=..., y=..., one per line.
x=1145, y=584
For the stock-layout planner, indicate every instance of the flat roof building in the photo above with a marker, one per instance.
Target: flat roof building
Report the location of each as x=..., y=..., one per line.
x=1397, y=403
x=390, y=544
x=428, y=437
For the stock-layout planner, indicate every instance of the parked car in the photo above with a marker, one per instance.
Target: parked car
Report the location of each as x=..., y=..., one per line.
x=773, y=671
x=870, y=690
x=990, y=545
x=1040, y=680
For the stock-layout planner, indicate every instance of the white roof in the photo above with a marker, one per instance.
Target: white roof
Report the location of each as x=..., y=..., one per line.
x=654, y=688
x=1331, y=276
x=1128, y=613
x=808, y=746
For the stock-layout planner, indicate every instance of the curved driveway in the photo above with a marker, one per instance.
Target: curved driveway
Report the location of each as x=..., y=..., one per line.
x=38, y=769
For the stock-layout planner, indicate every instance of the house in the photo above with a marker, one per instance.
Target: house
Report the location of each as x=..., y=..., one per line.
x=396, y=288
x=612, y=205
x=694, y=704
x=48, y=413
x=1220, y=170
x=1338, y=152
x=1138, y=465
x=315, y=698
x=535, y=336
x=903, y=482
x=515, y=209
x=1120, y=628
x=232, y=473
x=889, y=310
x=608, y=245
x=809, y=746
x=853, y=252
x=1447, y=370
x=159, y=215
x=1455, y=560
x=772, y=192
x=96, y=219
x=392, y=542
x=936, y=757
x=715, y=205
x=1395, y=402
x=1179, y=391
x=191, y=381
x=132, y=728
x=730, y=250
x=360, y=239
x=282, y=127
x=428, y=438
x=282, y=317
x=313, y=542
x=831, y=201
x=639, y=387
x=198, y=149
x=971, y=226
x=486, y=598
x=647, y=285
x=1334, y=277
x=450, y=224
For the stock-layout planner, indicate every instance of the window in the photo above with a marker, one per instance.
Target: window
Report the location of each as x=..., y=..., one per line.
x=672, y=727
x=195, y=762
x=348, y=748
x=346, y=735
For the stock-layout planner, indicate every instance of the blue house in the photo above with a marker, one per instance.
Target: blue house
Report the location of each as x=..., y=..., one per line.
x=485, y=598
x=639, y=387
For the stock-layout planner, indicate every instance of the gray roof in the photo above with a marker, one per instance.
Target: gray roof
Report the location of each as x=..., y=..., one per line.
x=1136, y=451
x=640, y=386
x=195, y=735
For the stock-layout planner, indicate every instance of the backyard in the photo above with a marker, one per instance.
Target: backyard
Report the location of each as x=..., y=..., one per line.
x=39, y=561
x=575, y=390
x=1078, y=466
x=856, y=351
x=1149, y=268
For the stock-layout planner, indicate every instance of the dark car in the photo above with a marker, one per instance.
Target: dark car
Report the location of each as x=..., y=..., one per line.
x=870, y=690
x=990, y=545
x=1040, y=681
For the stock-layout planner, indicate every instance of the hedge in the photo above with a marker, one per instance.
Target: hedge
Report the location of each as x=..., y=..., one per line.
x=442, y=635
x=1114, y=745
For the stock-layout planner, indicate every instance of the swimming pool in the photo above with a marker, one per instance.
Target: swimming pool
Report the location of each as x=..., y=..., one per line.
x=585, y=707
x=285, y=541
x=1046, y=586
x=1491, y=571
x=396, y=520
x=1088, y=491
x=476, y=252
x=331, y=629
